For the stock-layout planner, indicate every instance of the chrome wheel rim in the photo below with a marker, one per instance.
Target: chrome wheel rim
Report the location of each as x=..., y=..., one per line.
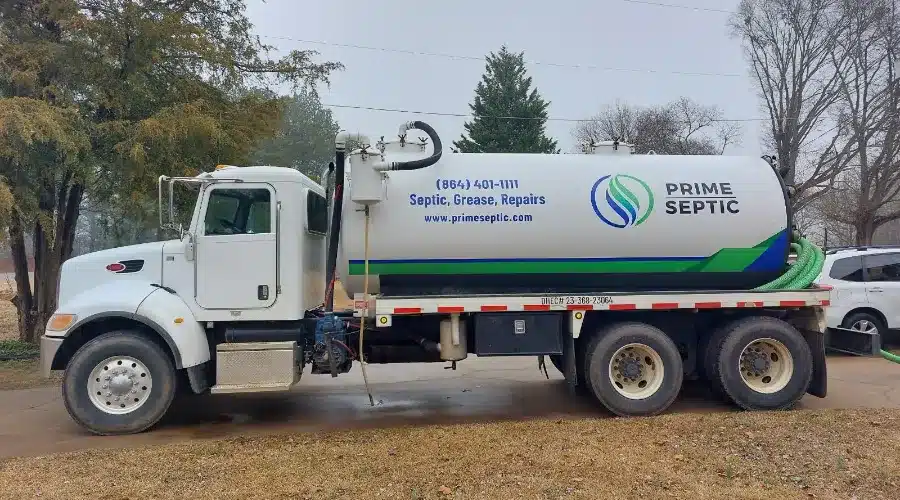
x=119, y=385
x=864, y=326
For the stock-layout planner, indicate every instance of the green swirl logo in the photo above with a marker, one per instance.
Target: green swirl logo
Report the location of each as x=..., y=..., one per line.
x=625, y=200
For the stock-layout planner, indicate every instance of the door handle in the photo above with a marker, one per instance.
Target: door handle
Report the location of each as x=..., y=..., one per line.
x=876, y=290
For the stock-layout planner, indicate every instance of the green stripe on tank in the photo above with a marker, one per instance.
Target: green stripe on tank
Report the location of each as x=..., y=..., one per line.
x=725, y=260
x=523, y=266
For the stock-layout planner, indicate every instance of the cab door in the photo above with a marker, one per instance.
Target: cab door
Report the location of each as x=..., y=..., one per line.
x=236, y=247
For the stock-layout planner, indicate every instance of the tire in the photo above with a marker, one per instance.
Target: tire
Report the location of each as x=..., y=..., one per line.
x=775, y=344
x=141, y=360
x=626, y=396
x=711, y=357
x=860, y=317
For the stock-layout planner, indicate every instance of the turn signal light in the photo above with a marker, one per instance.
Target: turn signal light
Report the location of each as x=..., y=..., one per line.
x=59, y=322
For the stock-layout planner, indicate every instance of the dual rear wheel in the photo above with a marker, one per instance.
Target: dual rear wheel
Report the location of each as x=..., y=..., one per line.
x=759, y=363
x=635, y=369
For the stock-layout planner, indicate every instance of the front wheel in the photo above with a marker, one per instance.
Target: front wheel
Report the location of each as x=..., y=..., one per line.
x=633, y=369
x=119, y=383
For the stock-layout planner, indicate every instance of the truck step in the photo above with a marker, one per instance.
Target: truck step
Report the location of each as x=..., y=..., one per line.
x=256, y=367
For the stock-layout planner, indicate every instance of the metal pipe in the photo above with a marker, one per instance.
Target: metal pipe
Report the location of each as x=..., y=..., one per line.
x=334, y=229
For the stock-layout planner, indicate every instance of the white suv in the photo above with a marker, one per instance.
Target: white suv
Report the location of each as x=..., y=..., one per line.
x=866, y=294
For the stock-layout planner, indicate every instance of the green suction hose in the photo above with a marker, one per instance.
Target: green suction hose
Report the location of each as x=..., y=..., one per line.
x=803, y=271
x=890, y=357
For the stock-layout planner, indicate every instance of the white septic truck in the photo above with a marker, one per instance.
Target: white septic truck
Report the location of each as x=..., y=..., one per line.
x=628, y=272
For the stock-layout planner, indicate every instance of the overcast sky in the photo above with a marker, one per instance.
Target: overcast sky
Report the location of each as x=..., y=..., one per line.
x=643, y=47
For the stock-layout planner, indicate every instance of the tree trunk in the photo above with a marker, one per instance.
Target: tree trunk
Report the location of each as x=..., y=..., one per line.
x=36, y=306
x=23, y=300
x=865, y=230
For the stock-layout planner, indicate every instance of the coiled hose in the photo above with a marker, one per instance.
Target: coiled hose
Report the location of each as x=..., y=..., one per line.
x=802, y=273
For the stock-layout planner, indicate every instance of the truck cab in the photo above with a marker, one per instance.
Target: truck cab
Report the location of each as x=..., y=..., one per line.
x=235, y=263
x=255, y=247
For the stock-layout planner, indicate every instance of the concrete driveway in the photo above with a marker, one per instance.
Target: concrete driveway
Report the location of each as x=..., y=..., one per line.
x=34, y=422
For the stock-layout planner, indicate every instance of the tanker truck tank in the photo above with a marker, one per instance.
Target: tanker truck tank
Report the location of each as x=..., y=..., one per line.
x=544, y=223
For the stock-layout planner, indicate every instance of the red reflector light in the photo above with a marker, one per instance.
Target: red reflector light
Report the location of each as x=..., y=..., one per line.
x=115, y=267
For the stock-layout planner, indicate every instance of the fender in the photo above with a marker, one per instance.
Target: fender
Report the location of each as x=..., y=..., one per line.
x=140, y=301
x=166, y=313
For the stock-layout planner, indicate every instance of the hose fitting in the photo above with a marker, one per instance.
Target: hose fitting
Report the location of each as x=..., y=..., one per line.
x=424, y=162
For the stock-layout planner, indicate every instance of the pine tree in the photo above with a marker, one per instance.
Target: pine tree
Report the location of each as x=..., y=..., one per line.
x=505, y=91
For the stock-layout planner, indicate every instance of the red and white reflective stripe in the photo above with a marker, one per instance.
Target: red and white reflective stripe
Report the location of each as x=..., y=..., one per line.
x=470, y=305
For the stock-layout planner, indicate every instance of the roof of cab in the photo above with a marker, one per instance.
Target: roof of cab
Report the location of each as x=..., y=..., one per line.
x=261, y=173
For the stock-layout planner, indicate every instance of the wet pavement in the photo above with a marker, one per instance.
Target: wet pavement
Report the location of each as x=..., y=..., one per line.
x=35, y=422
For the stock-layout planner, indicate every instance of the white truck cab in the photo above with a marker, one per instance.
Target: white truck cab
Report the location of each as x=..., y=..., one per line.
x=233, y=263
x=242, y=302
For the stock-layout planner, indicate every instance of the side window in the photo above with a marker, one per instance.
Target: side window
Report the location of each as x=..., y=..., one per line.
x=316, y=213
x=238, y=211
x=221, y=212
x=847, y=269
x=259, y=217
x=883, y=267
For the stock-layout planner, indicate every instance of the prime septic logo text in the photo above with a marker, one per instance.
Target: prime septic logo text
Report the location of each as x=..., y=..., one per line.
x=688, y=198
x=624, y=200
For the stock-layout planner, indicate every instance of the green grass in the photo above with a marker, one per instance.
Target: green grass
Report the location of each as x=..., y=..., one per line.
x=16, y=349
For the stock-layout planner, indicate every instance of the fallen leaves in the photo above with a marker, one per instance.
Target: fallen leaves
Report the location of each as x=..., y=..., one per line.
x=733, y=455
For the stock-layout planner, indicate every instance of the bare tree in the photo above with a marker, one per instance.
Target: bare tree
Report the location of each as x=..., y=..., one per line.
x=791, y=47
x=680, y=127
x=819, y=228
x=867, y=196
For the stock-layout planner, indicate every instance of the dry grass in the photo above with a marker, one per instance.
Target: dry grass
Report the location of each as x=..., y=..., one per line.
x=799, y=454
x=9, y=328
x=16, y=374
x=23, y=374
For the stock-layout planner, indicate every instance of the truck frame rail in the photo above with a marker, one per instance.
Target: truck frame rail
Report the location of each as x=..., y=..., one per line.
x=387, y=307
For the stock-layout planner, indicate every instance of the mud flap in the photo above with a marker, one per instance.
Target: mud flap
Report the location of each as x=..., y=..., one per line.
x=198, y=376
x=818, y=386
x=569, y=361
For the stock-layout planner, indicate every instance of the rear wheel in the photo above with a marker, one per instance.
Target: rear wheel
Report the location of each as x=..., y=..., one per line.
x=760, y=363
x=119, y=383
x=633, y=369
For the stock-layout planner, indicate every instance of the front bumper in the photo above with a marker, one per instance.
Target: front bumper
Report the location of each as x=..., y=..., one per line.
x=49, y=346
